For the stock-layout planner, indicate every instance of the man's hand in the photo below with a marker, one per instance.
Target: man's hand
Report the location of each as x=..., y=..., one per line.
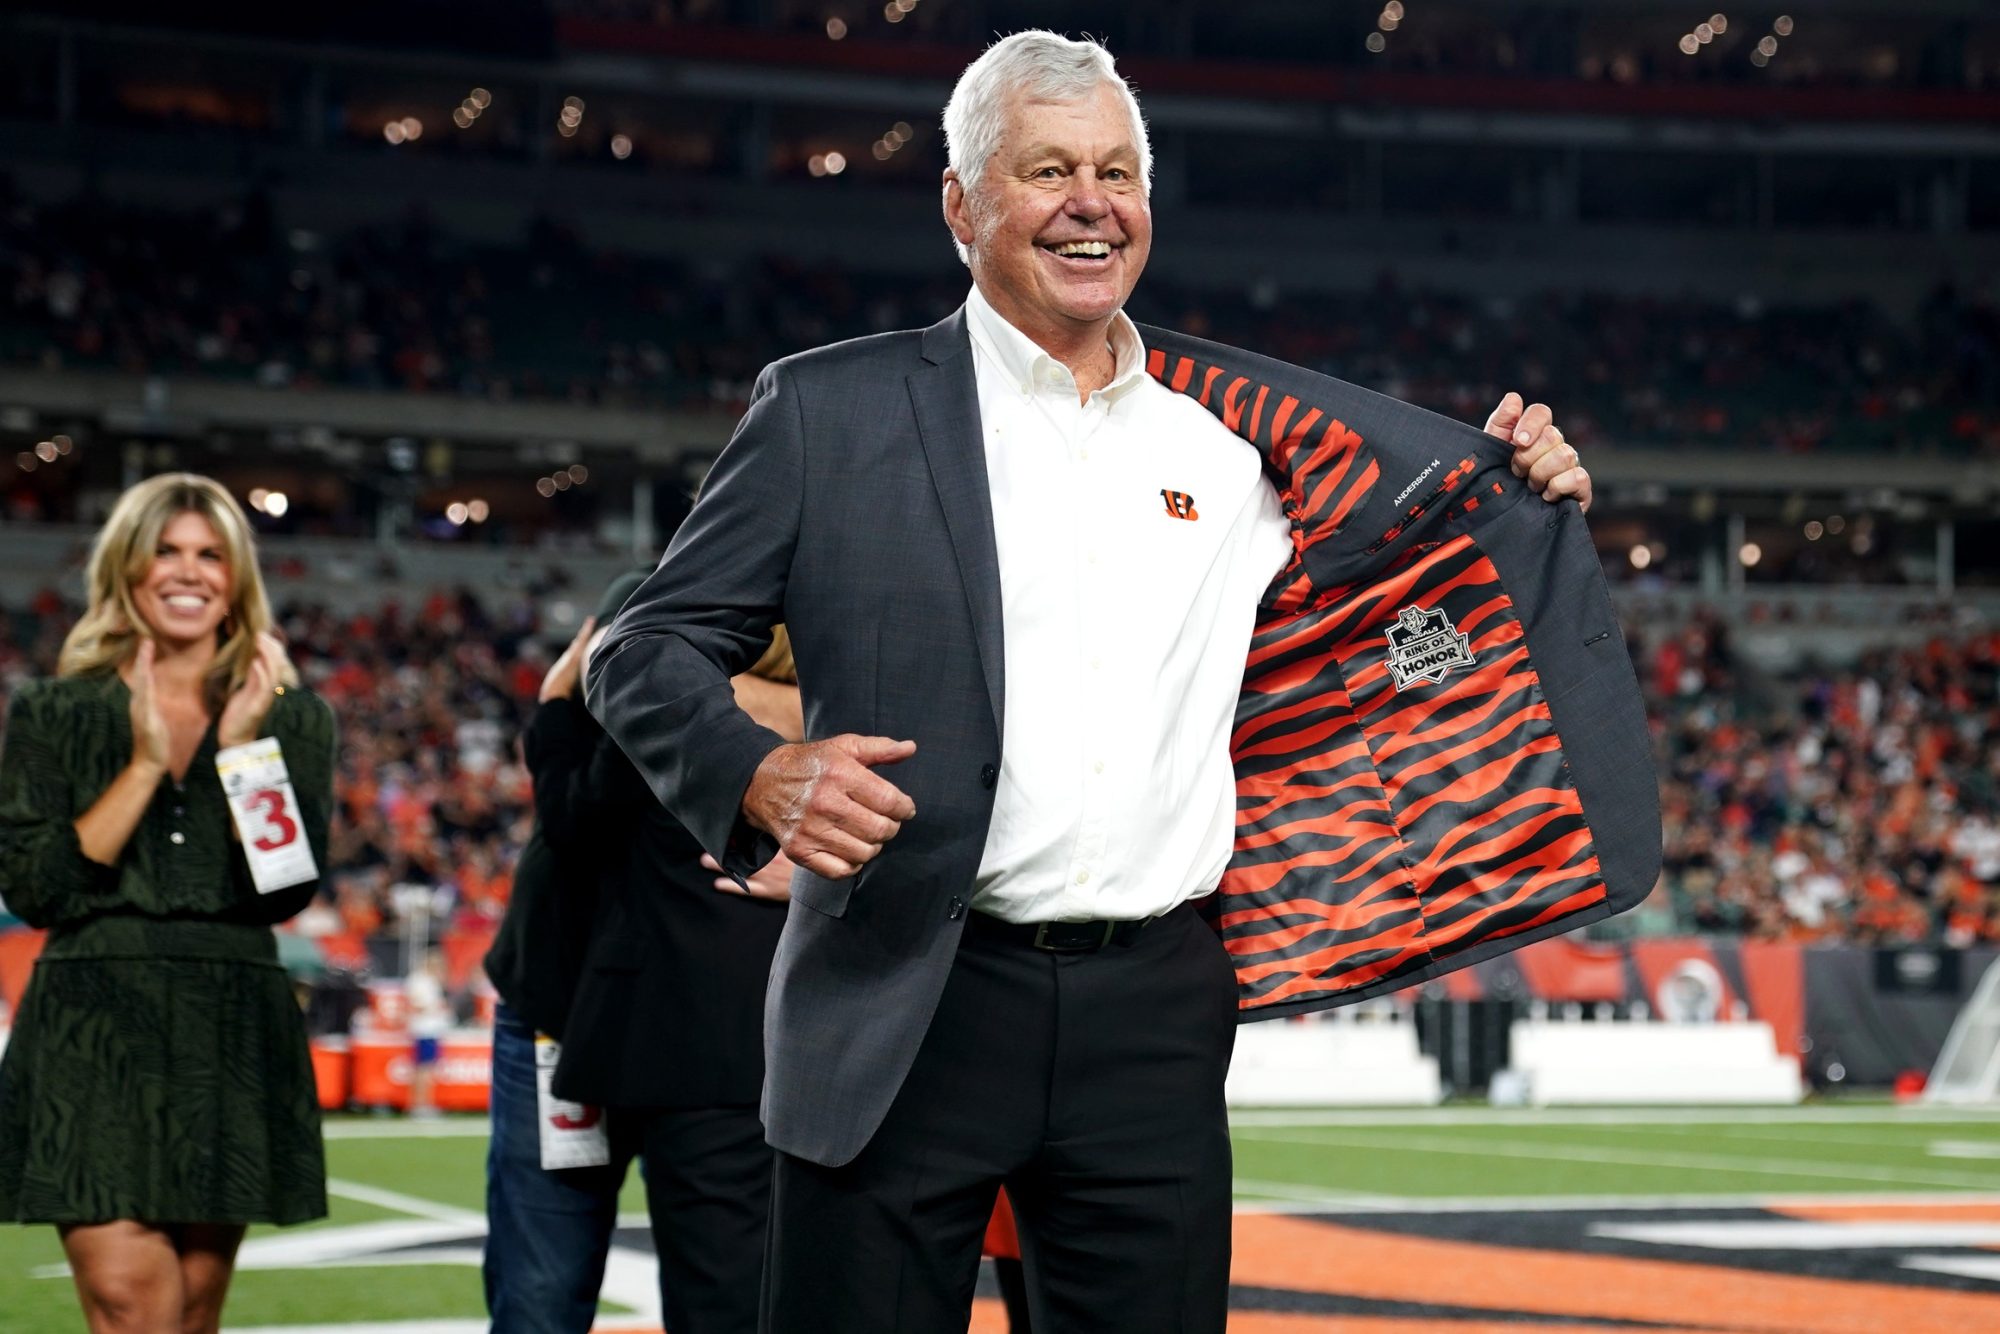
x=823, y=802
x=772, y=881
x=566, y=672
x=1540, y=453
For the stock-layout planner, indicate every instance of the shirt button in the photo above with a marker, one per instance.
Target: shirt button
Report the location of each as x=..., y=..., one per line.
x=177, y=838
x=956, y=910
x=988, y=776
x=1083, y=877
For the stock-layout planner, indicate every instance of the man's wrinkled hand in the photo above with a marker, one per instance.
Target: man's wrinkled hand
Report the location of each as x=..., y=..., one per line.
x=1548, y=462
x=825, y=804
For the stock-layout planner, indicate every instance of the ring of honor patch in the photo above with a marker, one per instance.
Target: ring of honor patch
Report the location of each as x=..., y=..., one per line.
x=1425, y=647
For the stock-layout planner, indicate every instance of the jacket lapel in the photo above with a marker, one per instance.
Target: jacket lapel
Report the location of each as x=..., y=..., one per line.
x=946, y=399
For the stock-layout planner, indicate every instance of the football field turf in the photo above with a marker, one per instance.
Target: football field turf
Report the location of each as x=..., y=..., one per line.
x=1846, y=1217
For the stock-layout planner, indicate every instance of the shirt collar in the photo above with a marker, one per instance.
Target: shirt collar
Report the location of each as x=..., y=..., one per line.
x=1023, y=361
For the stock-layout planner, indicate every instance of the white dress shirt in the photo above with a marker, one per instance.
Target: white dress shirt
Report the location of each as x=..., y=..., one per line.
x=1136, y=534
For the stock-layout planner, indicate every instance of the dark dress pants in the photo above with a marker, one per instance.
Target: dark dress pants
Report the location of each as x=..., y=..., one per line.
x=708, y=1178
x=1091, y=1085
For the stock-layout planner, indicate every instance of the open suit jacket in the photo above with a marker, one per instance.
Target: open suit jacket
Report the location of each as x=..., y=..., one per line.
x=1440, y=747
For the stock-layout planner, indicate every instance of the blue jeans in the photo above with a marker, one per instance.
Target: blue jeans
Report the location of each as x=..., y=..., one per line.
x=547, y=1233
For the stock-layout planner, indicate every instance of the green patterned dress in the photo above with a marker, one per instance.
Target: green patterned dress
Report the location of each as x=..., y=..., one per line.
x=158, y=1067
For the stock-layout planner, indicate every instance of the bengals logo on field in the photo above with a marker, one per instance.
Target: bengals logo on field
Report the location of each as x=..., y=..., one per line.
x=1180, y=504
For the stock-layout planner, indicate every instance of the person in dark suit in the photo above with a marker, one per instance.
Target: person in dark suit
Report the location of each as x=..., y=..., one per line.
x=1020, y=578
x=666, y=1029
x=616, y=938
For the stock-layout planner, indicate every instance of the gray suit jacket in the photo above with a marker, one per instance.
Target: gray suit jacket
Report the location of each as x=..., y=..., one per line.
x=851, y=504
x=1515, y=801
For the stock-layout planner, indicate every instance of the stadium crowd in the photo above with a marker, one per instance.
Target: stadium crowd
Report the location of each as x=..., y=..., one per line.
x=230, y=293
x=1857, y=804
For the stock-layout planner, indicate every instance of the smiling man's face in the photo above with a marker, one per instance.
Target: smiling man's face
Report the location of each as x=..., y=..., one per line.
x=1059, y=227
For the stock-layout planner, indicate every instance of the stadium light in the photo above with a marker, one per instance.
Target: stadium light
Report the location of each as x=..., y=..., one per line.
x=621, y=146
x=1749, y=554
x=46, y=451
x=276, y=503
x=477, y=510
x=836, y=27
x=1782, y=25
x=1377, y=43
x=258, y=495
x=62, y=443
x=457, y=513
x=1641, y=557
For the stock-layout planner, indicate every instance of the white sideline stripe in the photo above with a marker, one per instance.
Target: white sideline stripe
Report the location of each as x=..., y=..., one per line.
x=1964, y=1148
x=1571, y=1153
x=1757, y=1234
x=1328, y=1196
x=403, y=1204
x=479, y=1127
x=1619, y=1116
x=1964, y=1266
x=469, y=1127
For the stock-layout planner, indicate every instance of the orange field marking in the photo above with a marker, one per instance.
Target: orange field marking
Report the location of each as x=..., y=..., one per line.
x=1273, y=1322
x=1939, y=1211
x=1284, y=1252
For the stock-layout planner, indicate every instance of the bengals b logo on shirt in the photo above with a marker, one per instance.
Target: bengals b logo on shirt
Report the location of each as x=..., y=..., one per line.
x=1180, y=504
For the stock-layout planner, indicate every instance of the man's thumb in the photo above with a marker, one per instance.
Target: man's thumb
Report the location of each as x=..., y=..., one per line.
x=1501, y=423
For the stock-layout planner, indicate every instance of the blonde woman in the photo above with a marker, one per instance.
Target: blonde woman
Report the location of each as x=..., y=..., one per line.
x=157, y=1094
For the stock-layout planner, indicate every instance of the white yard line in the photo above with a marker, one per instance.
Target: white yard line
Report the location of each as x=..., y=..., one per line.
x=403, y=1204
x=1616, y=1116
x=1696, y=1162
x=455, y=1127
x=1964, y=1148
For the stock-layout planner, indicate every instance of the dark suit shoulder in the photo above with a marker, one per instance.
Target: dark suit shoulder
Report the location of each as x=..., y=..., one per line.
x=837, y=362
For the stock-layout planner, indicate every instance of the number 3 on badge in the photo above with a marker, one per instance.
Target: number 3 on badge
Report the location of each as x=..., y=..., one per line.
x=265, y=810
x=279, y=827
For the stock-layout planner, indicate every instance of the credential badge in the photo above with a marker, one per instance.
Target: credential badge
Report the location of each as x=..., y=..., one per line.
x=1425, y=647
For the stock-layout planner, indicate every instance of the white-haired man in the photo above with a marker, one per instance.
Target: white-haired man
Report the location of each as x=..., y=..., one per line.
x=964, y=529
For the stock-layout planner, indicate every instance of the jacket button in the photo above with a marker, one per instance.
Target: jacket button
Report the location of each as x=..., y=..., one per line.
x=956, y=910
x=988, y=776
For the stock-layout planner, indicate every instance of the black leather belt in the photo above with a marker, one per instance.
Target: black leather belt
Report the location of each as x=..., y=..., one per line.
x=1060, y=937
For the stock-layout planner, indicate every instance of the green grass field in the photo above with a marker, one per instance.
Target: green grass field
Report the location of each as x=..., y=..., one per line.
x=431, y=1177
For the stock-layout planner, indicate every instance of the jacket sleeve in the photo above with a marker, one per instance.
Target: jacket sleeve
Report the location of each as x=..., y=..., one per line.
x=304, y=726
x=44, y=876
x=660, y=681
x=585, y=789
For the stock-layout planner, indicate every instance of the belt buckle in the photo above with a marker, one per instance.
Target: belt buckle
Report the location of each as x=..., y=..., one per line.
x=1042, y=941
